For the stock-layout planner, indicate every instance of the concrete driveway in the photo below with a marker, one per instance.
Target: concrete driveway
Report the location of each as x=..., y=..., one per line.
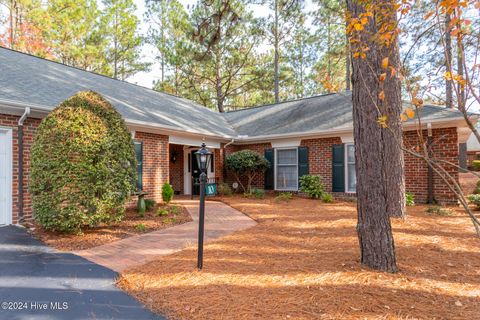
x=37, y=282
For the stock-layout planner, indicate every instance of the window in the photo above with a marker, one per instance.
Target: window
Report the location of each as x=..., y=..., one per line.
x=139, y=155
x=350, y=173
x=286, y=169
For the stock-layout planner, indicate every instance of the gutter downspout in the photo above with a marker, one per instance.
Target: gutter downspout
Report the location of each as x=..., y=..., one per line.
x=430, y=197
x=20, y=163
x=224, y=156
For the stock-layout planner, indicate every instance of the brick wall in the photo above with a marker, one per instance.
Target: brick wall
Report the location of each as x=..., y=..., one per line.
x=445, y=147
x=29, y=129
x=155, y=163
x=176, y=169
x=320, y=163
x=320, y=158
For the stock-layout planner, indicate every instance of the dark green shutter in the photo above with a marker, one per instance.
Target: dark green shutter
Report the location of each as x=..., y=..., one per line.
x=269, y=174
x=303, y=168
x=338, y=168
x=139, y=156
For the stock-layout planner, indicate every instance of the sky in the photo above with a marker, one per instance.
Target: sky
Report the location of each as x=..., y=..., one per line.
x=149, y=52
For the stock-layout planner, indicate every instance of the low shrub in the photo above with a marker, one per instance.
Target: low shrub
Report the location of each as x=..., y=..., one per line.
x=439, y=211
x=175, y=210
x=149, y=204
x=224, y=189
x=477, y=188
x=409, y=199
x=284, y=196
x=312, y=186
x=327, y=198
x=476, y=165
x=475, y=199
x=167, y=192
x=169, y=220
x=257, y=193
x=140, y=227
x=162, y=212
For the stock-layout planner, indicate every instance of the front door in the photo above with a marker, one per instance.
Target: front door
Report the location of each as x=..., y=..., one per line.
x=5, y=176
x=195, y=173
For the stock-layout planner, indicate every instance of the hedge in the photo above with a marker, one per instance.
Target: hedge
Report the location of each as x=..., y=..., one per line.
x=83, y=166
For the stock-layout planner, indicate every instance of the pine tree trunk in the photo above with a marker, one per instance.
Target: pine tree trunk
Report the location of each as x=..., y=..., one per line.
x=460, y=88
x=348, y=63
x=374, y=230
x=276, y=57
x=448, y=63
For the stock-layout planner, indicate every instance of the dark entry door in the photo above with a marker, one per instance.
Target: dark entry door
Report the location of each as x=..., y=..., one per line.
x=195, y=174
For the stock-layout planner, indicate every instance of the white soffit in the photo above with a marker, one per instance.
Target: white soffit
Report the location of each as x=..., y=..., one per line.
x=194, y=142
x=285, y=143
x=347, y=139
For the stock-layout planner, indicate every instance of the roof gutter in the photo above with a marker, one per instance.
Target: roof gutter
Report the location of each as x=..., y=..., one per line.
x=21, y=121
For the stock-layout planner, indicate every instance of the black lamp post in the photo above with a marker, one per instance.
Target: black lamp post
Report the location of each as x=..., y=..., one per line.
x=203, y=159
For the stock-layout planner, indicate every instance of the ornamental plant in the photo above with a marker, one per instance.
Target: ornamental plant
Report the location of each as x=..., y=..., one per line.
x=246, y=163
x=83, y=166
x=167, y=192
x=312, y=185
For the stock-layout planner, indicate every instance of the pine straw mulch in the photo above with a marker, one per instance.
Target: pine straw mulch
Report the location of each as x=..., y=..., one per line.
x=302, y=262
x=468, y=181
x=104, y=234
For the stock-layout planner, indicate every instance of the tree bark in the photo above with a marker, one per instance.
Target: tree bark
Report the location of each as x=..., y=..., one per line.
x=448, y=62
x=394, y=164
x=218, y=83
x=348, y=62
x=374, y=230
x=460, y=88
x=277, y=56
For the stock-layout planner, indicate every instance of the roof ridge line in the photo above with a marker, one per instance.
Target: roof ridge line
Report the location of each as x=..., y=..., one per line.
x=285, y=101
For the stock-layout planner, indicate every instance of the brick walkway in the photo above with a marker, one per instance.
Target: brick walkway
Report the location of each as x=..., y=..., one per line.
x=220, y=220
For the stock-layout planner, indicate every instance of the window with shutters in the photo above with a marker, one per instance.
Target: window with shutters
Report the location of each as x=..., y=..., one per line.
x=350, y=173
x=286, y=169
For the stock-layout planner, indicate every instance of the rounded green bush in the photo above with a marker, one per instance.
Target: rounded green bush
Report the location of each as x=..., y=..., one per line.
x=83, y=166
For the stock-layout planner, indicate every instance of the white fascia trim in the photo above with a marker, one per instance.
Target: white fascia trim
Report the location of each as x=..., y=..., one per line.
x=437, y=123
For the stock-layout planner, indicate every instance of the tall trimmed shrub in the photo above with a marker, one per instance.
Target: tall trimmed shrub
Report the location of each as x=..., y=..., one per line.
x=83, y=166
x=167, y=192
x=246, y=163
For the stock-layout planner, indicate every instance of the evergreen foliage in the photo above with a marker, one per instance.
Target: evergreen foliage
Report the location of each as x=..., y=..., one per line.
x=82, y=165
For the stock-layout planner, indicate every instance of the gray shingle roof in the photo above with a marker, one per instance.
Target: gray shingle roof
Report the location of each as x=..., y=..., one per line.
x=30, y=80
x=27, y=79
x=314, y=114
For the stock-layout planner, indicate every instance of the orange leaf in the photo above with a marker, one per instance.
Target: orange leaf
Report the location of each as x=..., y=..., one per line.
x=393, y=71
x=410, y=113
x=385, y=63
x=403, y=117
x=358, y=26
x=382, y=77
x=381, y=95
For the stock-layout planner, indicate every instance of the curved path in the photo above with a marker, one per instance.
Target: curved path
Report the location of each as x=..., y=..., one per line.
x=220, y=220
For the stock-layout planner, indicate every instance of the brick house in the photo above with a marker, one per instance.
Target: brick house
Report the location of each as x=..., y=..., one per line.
x=312, y=135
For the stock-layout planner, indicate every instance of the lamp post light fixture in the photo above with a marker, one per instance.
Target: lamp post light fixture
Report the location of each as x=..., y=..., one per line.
x=203, y=159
